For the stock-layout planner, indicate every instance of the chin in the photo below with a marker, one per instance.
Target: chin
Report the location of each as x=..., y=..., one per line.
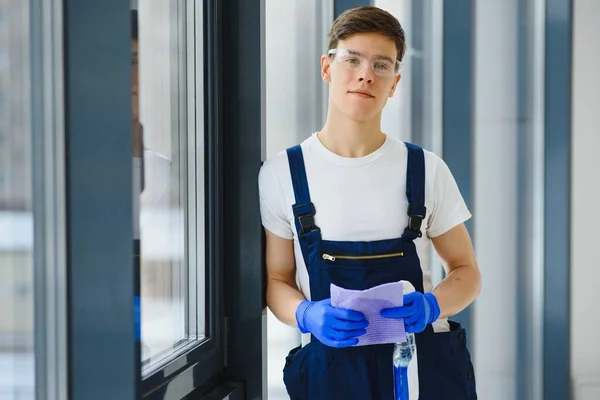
x=361, y=115
x=357, y=111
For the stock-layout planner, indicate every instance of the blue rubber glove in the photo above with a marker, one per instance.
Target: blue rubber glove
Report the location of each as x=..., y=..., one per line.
x=418, y=311
x=333, y=326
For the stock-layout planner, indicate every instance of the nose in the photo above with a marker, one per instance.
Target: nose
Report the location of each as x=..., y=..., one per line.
x=366, y=73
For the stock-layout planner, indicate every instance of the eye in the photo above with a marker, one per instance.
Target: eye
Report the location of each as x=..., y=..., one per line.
x=382, y=65
x=352, y=60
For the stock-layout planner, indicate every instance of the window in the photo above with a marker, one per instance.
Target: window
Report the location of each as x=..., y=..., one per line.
x=32, y=251
x=171, y=204
x=17, y=361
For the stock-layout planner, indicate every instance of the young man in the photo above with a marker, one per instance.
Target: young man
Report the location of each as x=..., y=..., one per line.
x=354, y=207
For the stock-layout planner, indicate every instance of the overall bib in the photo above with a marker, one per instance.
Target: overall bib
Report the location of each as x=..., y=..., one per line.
x=316, y=371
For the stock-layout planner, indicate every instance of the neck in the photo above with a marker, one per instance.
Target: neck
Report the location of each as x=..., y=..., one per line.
x=350, y=138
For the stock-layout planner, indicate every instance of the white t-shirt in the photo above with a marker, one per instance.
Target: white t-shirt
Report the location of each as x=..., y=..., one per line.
x=360, y=199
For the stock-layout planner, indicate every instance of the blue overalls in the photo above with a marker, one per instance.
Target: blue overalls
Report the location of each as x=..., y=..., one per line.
x=316, y=371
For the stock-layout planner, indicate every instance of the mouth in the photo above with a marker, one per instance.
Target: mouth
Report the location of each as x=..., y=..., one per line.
x=362, y=93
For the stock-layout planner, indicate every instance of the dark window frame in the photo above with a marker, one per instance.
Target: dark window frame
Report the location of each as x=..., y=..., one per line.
x=103, y=355
x=98, y=148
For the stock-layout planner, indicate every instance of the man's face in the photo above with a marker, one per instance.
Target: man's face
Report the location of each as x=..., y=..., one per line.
x=135, y=81
x=360, y=94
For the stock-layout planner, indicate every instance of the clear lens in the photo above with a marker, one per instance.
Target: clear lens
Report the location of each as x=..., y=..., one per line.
x=354, y=61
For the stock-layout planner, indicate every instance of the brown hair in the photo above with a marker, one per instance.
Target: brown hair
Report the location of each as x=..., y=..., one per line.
x=368, y=19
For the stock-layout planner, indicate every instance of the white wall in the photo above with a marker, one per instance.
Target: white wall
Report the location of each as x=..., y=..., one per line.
x=295, y=39
x=585, y=193
x=495, y=180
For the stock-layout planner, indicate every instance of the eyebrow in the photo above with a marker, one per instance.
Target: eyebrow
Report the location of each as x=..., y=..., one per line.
x=378, y=56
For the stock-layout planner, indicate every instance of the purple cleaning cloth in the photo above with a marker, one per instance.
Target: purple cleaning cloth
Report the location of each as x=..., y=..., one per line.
x=370, y=302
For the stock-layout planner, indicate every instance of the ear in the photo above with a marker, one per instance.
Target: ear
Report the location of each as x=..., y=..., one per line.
x=326, y=68
x=395, y=84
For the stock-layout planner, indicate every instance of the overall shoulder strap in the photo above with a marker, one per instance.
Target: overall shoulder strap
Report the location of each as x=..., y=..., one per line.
x=304, y=210
x=415, y=191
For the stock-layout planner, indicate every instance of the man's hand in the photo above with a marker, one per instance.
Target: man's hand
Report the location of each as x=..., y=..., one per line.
x=418, y=311
x=334, y=327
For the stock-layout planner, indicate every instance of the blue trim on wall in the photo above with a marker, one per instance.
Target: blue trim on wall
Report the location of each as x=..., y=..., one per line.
x=557, y=186
x=417, y=74
x=339, y=6
x=523, y=239
x=458, y=106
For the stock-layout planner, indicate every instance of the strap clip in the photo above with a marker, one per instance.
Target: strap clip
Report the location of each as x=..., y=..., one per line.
x=416, y=215
x=306, y=218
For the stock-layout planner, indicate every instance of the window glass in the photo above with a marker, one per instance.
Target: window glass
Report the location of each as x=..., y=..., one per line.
x=168, y=180
x=17, y=376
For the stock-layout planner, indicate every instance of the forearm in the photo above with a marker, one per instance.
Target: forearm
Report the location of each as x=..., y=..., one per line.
x=138, y=139
x=283, y=299
x=459, y=289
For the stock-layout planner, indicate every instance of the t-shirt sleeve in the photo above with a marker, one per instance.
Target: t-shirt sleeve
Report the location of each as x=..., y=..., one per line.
x=272, y=207
x=449, y=208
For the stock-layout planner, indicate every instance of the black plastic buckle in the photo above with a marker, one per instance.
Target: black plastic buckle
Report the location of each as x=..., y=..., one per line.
x=415, y=222
x=416, y=215
x=307, y=221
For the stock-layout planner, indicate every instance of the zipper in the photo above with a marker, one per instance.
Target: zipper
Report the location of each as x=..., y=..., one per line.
x=330, y=257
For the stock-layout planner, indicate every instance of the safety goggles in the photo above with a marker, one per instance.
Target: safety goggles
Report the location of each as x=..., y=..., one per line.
x=354, y=61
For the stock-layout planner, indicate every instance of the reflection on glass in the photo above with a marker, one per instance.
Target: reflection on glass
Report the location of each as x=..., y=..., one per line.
x=170, y=218
x=17, y=378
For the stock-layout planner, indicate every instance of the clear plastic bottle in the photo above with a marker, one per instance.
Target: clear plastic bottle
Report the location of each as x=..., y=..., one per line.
x=403, y=354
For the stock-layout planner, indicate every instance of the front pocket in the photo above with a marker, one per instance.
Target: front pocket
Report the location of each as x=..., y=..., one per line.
x=445, y=367
x=364, y=272
x=292, y=374
x=334, y=257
